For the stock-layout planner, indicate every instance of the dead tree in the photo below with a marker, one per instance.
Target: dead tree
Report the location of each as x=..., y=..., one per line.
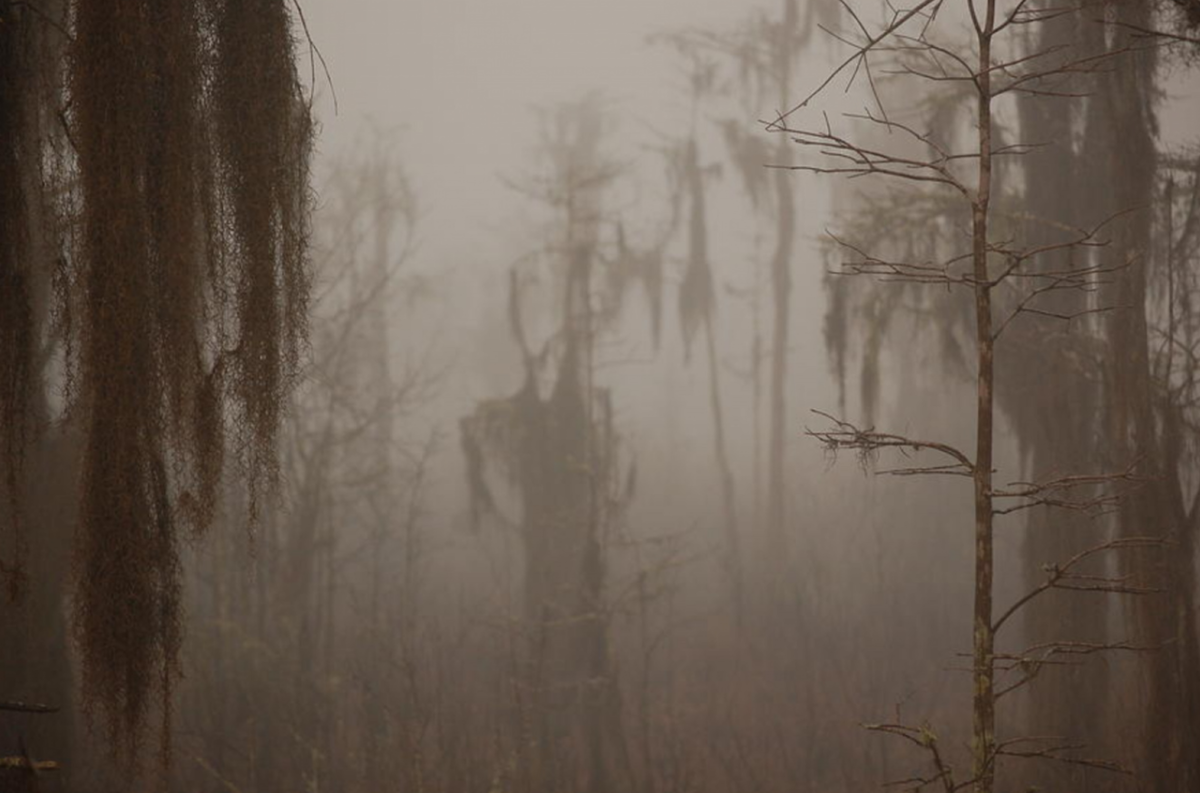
x=559, y=449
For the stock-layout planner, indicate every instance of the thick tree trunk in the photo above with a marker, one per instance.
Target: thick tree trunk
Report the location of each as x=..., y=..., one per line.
x=35, y=663
x=1170, y=756
x=1050, y=395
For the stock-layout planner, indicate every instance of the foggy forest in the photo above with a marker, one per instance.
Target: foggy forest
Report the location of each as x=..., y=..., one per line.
x=550, y=396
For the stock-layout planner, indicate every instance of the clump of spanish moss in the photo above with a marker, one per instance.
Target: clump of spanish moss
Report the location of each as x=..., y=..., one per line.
x=185, y=307
x=263, y=136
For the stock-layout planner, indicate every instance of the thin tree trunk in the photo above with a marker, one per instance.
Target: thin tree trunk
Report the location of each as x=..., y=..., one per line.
x=781, y=282
x=733, y=559
x=984, y=710
x=700, y=269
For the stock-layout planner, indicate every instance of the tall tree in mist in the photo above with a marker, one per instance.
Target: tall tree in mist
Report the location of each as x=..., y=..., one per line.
x=1057, y=401
x=784, y=39
x=1142, y=418
x=1048, y=389
x=554, y=441
x=1167, y=685
x=1101, y=387
x=763, y=52
x=181, y=292
x=1008, y=282
x=697, y=290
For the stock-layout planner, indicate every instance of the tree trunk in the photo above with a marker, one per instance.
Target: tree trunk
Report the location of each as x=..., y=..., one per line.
x=781, y=286
x=1170, y=755
x=984, y=709
x=1048, y=391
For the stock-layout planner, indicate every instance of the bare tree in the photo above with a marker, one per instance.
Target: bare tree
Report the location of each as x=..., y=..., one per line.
x=1004, y=283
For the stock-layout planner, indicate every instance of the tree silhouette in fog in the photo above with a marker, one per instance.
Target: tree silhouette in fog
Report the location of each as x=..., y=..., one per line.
x=555, y=442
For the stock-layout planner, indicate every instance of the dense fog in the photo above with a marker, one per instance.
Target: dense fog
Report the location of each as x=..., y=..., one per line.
x=667, y=397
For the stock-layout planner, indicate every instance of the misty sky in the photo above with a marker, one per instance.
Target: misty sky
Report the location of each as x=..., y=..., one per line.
x=460, y=80
x=456, y=84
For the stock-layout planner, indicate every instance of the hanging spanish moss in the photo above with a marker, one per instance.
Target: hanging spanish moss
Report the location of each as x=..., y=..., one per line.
x=264, y=139
x=186, y=307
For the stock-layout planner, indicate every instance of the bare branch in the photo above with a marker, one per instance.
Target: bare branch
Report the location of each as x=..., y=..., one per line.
x=898, y=21
x=863, y=161
x=1144, y=32
x=1062, y=576
x=925, y=738
x=867, y=442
